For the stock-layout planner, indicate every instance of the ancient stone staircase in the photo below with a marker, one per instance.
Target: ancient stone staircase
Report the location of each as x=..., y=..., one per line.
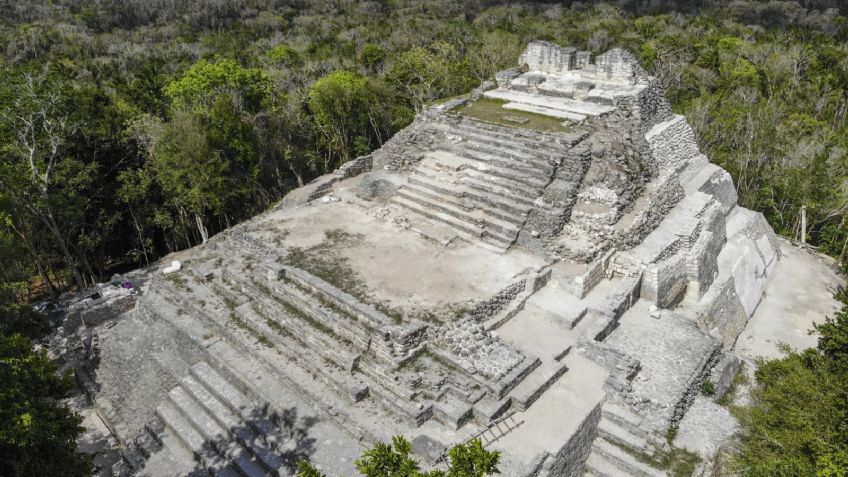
x=619, y=440
x=223, y=429
x=482, y=182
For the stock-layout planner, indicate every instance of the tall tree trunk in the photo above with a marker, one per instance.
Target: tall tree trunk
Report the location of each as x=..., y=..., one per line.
x=204, y=234
x=140, y=237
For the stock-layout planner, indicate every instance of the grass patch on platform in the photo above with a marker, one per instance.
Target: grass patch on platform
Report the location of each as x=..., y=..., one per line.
x=492, y=111
x=325, y=262
x=677, y=462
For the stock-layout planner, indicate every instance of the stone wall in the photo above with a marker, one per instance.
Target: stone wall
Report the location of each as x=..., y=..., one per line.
x=665, y=282
x=720, y=185
x=105, y=310
x=569, y=461
x=403, y=151
x=618, y=65
x=354, y=167
x=487, y=308
x=721, y=314
x=672, y=143
x=548, y=57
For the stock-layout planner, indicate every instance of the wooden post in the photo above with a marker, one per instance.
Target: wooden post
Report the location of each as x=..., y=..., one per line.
x=803, y=225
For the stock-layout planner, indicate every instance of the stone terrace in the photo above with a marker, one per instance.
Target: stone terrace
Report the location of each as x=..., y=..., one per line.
x=559, y=292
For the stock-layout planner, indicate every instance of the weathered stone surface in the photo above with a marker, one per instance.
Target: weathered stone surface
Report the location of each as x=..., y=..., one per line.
x=563, y=292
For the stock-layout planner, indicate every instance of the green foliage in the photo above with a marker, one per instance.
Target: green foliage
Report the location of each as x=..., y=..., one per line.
x=372, y=56
x=389, y=460
x=346, y=106
x=394, y=460
x=285, y=55
x=472, y=460
x=202, y=84
x=37, y=434
x=798, y=421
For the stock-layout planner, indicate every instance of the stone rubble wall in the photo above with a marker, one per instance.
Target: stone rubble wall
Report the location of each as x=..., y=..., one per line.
x=107, y=309
x=702, y=259
x=553, y=210
x=580, y=285
x=488, y=308
x=651, y=106
x=406, y=148
x=618, y=65
x=354, y=167
x=673, y=144
x=667, y=193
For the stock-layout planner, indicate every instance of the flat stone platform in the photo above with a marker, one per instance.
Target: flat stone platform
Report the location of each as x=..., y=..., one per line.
x=396, y=266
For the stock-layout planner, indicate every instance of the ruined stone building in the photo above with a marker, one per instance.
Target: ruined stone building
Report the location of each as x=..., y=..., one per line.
x=550, y=265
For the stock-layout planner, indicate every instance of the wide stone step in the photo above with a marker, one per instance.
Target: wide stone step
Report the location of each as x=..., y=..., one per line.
x=536, y=383
x=474, y=214
x=498, y=207
x=541, y=170
x=622, y=416
x=514, y=190
x=624, y=461
x=458, y=160
x=193, y=442
x=238, y=403
x=520, y=194
x=468, y=228
x=328, y=346
x=214, y=434
x=534, y=143
x=343, y=381
x=453, y=413
x=234, y=424
x=536, y=152
x=599, y=466
x=618, y=434
x=489, y=239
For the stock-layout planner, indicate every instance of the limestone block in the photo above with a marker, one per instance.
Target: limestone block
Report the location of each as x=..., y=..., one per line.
x=748, y=271
x=665, y=282
x=720, y=312
x=720, y=185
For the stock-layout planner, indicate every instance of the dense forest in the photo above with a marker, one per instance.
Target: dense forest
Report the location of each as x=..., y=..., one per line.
x=134, y=128
x=131, y=129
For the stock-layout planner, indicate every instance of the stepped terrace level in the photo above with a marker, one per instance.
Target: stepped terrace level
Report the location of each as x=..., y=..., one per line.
x=550, y=265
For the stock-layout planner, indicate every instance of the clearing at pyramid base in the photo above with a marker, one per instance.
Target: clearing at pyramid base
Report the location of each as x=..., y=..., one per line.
x=550, y=265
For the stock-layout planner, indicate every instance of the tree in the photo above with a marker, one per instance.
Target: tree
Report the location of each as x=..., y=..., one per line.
x=37, y=434
x=202, y=84
x=343, y=106
x=39, y=122
x=372, y=57
x=797, y=423
x=393, y=460
x=191, y=174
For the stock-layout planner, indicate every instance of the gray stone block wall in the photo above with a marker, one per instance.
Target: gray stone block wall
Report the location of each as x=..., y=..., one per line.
x=672, y=144
x=722, y=314
x=354, y=167
x=665, y=282
x=107, y=310
x=548, y=57
x=568, y=462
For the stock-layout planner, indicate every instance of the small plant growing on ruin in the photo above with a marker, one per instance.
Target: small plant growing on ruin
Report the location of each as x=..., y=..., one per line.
x=708, y=388
x=470, y=459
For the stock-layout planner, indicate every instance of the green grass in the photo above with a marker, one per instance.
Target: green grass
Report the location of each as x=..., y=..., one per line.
x=492, y=111
x=677, y=462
